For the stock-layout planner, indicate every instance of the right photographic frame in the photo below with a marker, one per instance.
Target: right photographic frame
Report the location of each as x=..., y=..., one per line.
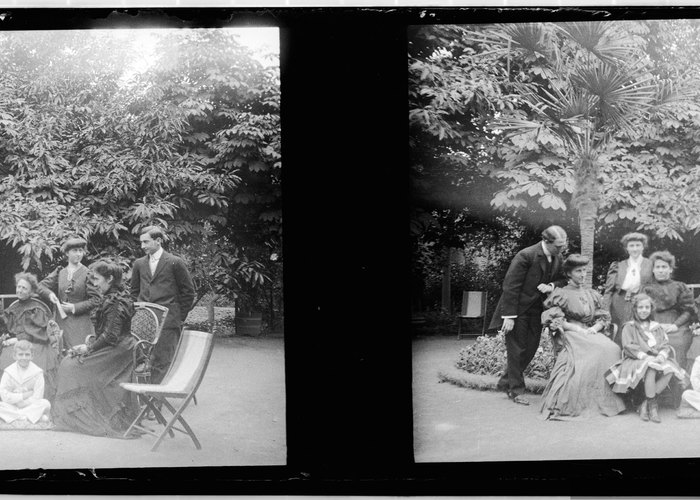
x=554, y=219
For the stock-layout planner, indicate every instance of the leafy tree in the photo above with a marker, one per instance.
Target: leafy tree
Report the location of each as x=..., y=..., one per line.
x=559, y=101
x=103, y=138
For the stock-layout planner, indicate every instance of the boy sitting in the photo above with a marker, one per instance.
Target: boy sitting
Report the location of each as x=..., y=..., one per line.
x=22, y=388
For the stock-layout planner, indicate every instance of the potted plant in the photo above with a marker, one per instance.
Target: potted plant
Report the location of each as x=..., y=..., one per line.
x=248, y=317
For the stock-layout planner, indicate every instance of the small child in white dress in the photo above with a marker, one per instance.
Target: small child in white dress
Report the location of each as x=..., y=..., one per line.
x=690, y=401
x=22, y=388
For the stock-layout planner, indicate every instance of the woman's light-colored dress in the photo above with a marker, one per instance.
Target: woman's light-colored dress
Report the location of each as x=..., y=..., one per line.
x=619, y=301
x=577, y=385
x=692, y=396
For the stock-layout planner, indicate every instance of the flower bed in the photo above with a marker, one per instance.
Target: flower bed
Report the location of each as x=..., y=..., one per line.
x=480, y=364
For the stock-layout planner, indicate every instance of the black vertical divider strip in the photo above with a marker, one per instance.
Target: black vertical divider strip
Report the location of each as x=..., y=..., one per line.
x=348, y=350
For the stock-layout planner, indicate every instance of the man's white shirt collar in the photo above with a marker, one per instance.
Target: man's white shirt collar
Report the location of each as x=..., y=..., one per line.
x=156, y=255
x=546, y=252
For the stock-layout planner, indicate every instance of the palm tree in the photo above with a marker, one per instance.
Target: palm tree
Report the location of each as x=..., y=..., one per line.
x=592, y=82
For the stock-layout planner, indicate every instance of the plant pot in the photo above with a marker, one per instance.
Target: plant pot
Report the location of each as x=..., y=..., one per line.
x=249, y=325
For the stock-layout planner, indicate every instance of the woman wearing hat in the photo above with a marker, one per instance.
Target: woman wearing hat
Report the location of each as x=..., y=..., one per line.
x=73, y=294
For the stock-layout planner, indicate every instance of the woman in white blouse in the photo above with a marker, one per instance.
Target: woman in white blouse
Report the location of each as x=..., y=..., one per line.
x=626, y=278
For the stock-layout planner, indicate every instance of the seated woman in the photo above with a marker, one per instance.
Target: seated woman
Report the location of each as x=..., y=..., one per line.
x=673, y=304
x=89, y=398
x=27, y=319
x=647, y=356
x=576, y=317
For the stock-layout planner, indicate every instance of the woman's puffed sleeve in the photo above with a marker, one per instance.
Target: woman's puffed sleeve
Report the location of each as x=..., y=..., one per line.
x=685, y=305
x=48, y=285
x=111, y=328
x=609, y=287
x=92, y=298
x=553, y=317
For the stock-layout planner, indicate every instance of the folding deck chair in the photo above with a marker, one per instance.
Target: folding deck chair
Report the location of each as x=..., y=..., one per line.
x=181, y=382
x=473, y=307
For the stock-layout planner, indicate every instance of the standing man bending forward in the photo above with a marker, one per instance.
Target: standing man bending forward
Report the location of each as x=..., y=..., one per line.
x=162, y=278
x=529, y=278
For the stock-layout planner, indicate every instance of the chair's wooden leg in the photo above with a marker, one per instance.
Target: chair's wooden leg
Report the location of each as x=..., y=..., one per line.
x=182, y=420
x=159, y=415
x=177, y=417
x=136, y=421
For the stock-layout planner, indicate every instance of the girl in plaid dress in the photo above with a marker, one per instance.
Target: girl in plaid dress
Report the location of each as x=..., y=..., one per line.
x=647, y=356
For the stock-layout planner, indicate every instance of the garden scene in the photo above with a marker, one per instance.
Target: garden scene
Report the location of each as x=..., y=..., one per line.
x=107, y=133
x=517, y=130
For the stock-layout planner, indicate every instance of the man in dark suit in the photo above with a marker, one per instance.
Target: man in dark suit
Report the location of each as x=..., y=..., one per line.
x=162, y=278
x=530, y=277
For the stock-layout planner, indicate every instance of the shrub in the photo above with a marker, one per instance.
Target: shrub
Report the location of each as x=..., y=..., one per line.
x=487, y=356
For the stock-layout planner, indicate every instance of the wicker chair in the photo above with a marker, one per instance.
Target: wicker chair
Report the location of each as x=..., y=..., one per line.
x=181, y=382
x=146, y=325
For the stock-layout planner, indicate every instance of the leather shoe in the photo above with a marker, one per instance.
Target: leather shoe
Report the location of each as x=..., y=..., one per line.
x=517, y=398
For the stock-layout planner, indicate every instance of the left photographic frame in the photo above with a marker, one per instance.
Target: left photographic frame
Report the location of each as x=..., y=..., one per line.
x=105, y=132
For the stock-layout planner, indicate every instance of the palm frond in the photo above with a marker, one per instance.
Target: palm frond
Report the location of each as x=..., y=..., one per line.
x=624, y=96
x=533, y=38
x=670, y=91
x=600, y=38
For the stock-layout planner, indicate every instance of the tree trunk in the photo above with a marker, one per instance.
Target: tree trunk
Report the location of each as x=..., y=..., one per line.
x=587, y=197
x=587, y=216
x=446, y=282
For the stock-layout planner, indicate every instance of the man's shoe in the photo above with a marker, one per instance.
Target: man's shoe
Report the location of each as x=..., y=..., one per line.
x=517, y=398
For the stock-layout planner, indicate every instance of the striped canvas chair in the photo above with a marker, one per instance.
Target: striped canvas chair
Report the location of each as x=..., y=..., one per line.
x=180, y=383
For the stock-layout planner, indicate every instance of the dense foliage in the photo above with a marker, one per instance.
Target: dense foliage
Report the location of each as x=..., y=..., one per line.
x=487, y=356
x=101, y=137
x=589, y=125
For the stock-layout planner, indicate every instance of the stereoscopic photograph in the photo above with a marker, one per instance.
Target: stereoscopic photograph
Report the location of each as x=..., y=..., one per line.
x=142, y=317
x=554, y=240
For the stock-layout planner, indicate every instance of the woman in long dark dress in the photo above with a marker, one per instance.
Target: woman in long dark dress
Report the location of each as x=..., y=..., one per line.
x=27, y=319
x=70, y=290
x=578, y=320
x=673, y=303
x=625, y=279
x=89, y=398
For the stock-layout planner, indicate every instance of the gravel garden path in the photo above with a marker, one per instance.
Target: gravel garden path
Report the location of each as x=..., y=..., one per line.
x=239, y=419
x=454, y=424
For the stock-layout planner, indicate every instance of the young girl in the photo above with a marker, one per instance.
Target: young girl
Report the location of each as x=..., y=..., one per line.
x=647, y=357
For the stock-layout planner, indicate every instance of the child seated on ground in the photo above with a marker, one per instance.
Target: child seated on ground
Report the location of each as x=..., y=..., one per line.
x=22, y=388
x=690, y=401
